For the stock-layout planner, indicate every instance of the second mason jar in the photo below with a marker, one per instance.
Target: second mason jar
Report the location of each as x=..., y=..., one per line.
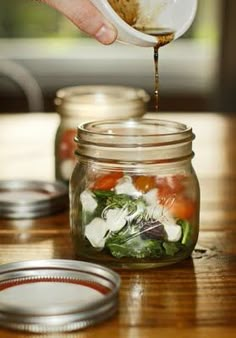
x=134, y=195
x=80, y=104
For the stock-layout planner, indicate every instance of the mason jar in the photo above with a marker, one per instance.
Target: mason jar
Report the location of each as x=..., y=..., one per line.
x=79, y=104
x=134, y=195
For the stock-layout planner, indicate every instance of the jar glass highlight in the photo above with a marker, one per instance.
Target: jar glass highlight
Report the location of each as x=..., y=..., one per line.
x=134, y=195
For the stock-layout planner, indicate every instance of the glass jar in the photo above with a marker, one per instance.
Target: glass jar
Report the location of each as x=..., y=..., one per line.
x=134, y=195
x=80, y=104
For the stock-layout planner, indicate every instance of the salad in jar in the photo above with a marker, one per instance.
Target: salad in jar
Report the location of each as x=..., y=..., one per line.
x=147, y=217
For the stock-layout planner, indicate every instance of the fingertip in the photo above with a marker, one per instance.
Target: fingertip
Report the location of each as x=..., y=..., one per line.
x=107, y=34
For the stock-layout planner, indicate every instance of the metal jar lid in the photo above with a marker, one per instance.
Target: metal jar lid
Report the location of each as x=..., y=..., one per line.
x=56, y=295
x=22, y=199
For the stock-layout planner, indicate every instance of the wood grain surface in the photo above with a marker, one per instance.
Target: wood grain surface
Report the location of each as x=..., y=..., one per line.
x=195, y=298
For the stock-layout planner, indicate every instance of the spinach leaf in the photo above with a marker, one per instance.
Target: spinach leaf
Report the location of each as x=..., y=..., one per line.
x=123, y=201
x=101, y=197
x=171, y=248
x=127, y=243
x=136, y=248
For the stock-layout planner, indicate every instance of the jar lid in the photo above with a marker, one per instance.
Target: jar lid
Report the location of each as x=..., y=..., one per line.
x=56, y=295
x=21, y=199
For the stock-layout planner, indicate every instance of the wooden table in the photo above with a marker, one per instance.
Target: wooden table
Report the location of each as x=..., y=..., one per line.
x=196, y=298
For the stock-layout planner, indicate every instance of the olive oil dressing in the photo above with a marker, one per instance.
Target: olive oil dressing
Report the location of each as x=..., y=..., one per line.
x=164, y=36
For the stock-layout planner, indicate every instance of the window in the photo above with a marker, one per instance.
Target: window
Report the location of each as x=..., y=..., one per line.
x=56, y=54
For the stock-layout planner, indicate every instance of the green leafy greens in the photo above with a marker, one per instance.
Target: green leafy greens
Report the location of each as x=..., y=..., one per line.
x=140, y=237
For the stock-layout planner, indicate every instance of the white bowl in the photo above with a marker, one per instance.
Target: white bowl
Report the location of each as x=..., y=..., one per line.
x=174, y=15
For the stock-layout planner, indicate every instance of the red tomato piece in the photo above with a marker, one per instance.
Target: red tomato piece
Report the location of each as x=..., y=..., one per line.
x=183, y=208
x=108, y=181
x=170, y=185
x=144, y=183
x=67, y=144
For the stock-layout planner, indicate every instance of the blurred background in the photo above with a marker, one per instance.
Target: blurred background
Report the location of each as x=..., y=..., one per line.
x=41, y=51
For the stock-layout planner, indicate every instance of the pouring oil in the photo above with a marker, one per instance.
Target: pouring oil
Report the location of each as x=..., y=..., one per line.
x=130, y=12
x=164, y=36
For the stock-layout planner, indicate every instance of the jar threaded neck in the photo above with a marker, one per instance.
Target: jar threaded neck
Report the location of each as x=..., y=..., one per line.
x=135, y=140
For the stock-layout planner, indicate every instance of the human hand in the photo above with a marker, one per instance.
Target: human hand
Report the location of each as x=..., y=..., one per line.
x=87, y=18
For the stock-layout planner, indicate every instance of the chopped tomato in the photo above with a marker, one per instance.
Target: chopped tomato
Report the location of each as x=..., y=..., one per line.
x=67, y=145
x=183, y=208
x=108, y=181
x=170, y=185
x=144, y=183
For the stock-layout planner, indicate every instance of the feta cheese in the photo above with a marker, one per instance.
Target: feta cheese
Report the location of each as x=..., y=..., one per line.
x=116, y=219
x=95, y=232
x=154, y=211
x=88, y=202
x=174, y=232
x=151, y=197
x=125, y=186
x=66, y=168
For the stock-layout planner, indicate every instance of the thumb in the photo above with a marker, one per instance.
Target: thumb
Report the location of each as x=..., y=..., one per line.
x=87, y=18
